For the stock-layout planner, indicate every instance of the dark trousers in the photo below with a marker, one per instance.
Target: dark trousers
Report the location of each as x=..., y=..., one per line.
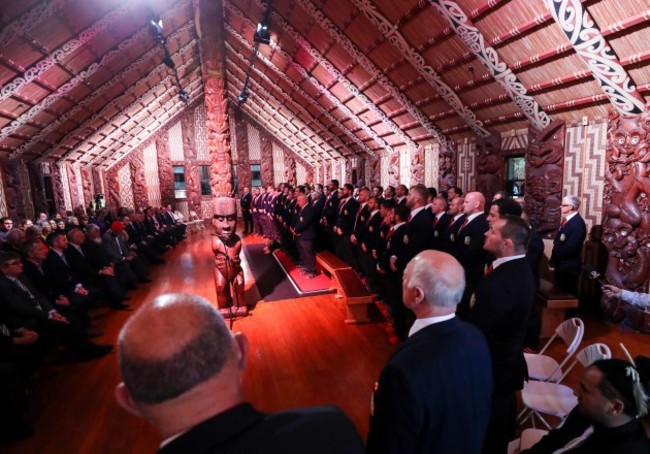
x=248, y=220
x=503, y=421
x=306, y=255
x=398, y=311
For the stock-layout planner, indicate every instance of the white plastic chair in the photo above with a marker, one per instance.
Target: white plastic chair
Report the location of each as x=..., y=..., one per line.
x=556, y=399
x=195, y=223
x=544, y=368
x=529, y=438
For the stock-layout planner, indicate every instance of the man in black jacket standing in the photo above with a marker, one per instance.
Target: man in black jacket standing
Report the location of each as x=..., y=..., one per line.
x=246, y=202
x=566, y=258
x=305, y=232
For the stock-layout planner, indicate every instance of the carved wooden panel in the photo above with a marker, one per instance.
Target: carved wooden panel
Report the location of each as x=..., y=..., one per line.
x=57, y=183
x=417, y=166
x=375, y=175
x=13, y=190
x=26, y=190
x=489, y=165
x=87, y=185
x=278, y=161
x=3, y=197
x=165, y=172
x=289, y=168
x=113, y=185
x=393, y=169
x=73, y=186
x=544, y=173
x=448, y=168
x=626, y=223
x=138, y=179
x=98, y=181
x=243, y=163
x=266, y=151
x=152, y=182
x=191, y=166
x=37, y=182
x=328, y=172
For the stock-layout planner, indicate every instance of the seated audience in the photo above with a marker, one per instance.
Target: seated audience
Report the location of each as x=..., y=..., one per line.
x=181, y=370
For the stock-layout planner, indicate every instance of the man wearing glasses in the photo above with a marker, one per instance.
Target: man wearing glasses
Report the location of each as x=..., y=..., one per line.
x=566, y=258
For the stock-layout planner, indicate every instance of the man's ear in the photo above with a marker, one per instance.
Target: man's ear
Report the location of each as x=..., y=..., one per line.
x=124, y=399
x=616, y=407
x=242, y=346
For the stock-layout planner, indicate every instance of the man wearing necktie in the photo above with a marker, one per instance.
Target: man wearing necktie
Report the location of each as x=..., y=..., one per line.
x=566, y=258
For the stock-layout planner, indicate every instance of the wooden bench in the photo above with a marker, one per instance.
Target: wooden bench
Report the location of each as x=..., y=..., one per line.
x=348, y=285
x=552, y=302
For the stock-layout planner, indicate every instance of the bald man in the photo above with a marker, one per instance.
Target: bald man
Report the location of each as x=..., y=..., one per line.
x=181, y=370
x=434, y=394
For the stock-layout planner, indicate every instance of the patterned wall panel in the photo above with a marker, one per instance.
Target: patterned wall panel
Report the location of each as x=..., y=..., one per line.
x=80, y=188
x=327, y=176
x=417, y=166
x=405, y=167
x=126, y=191
x=98, y=181
x=384, y=164
x=254, y=143
x=394, y=167
x=278, y=164
x=266, y=161
x=301, y=173
x=26, y=189
x=151, y=175
x=289, y=166
x=165, y=173
x=74, y=187
x=447, y=167
x=3, y=199
x=431, y=165
x=207, y=209
x=342, y=166
x=57, y=187
x=234, y=150
x=138, y=179
x=87, y=185
x=584, y=167
x=183, y=207
x=466, y=166
x=514, y=140
x=175, y=135
x=65, y=182
x=201, y=134
x=336, y=172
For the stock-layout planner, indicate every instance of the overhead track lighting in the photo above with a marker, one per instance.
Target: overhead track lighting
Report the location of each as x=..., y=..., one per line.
x=262, y=33
x=155, y=26
x=243, y=96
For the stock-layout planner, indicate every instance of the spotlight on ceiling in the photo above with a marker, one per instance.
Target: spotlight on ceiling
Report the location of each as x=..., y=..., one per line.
x=262, y=33
x=243, y=96
x=155, y=26
x=185, y=96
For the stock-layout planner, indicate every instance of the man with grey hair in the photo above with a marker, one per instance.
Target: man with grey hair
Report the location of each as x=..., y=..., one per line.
x=566, y=258
x=181, y=370
x=434, y=393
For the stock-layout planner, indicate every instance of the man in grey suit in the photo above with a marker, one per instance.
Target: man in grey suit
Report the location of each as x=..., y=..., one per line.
x=434, y=394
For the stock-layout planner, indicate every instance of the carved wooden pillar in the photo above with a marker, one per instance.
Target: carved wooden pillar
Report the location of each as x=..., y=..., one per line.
x=87, y=184
x=13, y=189
x=211, y=42
x=113, y=185
x=375, y=175
x=37, y=182
x=191, y=165
x=626, y=221
x=393, y=170
x=98, y=181
x=489, y=165
x=165, y=171
x=544, y=174
x=266, y=164
x=289, y=168
x=309, y=175
x=448, y=167
x=73, y=185
x=417, y=167
x=57, y=183
x=138, y=179
x=243, y=156
x=328, y=172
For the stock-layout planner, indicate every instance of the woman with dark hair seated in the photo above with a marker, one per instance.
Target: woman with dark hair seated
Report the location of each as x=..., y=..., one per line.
x=611, y=399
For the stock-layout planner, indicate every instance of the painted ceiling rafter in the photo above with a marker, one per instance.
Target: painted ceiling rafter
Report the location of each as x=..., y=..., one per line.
x=35, y=16
x=269, y=64
x=81, y=105
x=299, y=124
x=168, y=79
x=113, y=105
x=391, y=32
x=340, y=77
x=590, y=44
x=288, y=100
x=489, y=57
x=358, y=56
x=81, y=77
x=322, y=89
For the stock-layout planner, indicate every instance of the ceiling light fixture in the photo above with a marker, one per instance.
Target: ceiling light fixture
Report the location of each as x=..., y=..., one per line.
x=155, y=25
x=262, y=35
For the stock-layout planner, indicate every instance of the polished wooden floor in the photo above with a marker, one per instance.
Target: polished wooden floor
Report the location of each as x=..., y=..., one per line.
x=301, y=353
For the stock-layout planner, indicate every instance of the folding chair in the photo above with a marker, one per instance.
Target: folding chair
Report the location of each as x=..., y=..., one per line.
x=544, y=368
x=540, y=397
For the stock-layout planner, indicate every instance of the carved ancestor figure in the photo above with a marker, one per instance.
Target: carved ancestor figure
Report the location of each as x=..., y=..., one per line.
x=393, y=170
x=448, y=169
x=226, y=246
x=489, y=165
x=417, y=167
x=626, y=226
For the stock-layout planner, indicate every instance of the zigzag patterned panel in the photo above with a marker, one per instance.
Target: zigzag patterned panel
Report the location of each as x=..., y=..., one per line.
x=584, y=169
x=176, y=142
x=65, y=182
x=3, y=197
x=233, y=139
x=126, y=191
x=301, y=173
x=201, y=135
x=278, y=164
x=385, y=161
x=431, y=165
x=514, y=140
x=466, y=166
x=151, y=174
x=254, y=144
x=405, y=159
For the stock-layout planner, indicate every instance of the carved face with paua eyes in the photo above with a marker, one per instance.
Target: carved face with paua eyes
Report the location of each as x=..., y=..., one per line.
x=225, y=217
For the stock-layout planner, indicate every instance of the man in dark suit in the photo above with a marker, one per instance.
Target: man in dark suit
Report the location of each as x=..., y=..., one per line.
x=434, y=393
x=246, y=202
x=468, y=248
x=566, y=258
x=122, y=257
x=344, y=224
x=503, y=303
x=457, y=217
x=441, y=220
x=419, y=228
x=201, y=409
x=305, y=232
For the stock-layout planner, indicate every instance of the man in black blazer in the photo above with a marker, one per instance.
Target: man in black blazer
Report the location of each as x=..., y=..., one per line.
x=305, y=232
x=419, y=227
x=201, y=408
x=344, y=223
x=441, y=220
x=566, y=258
x=434, y=393
x=246, y=202
x=502, y=307
x=468, y=248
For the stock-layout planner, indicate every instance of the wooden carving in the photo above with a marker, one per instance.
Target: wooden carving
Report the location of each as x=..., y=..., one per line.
x=87, y=185
x=289, y=168
x=544, y=174
x=328, y=172
x=243, y=156
x=13, y=189
x=113, y=198
x=626, y=222
x=375, y=177
x=348, y=171
x=393, y=170
x=489, y=165
x=74, y=187
x=37, y=181
x=57, y=183
x=165, y=171
x=192, y=175
x=266, y=164
x=138, y=179
x=97, y=180
x=448, y=169
x=417, y=167
x=309, y=175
